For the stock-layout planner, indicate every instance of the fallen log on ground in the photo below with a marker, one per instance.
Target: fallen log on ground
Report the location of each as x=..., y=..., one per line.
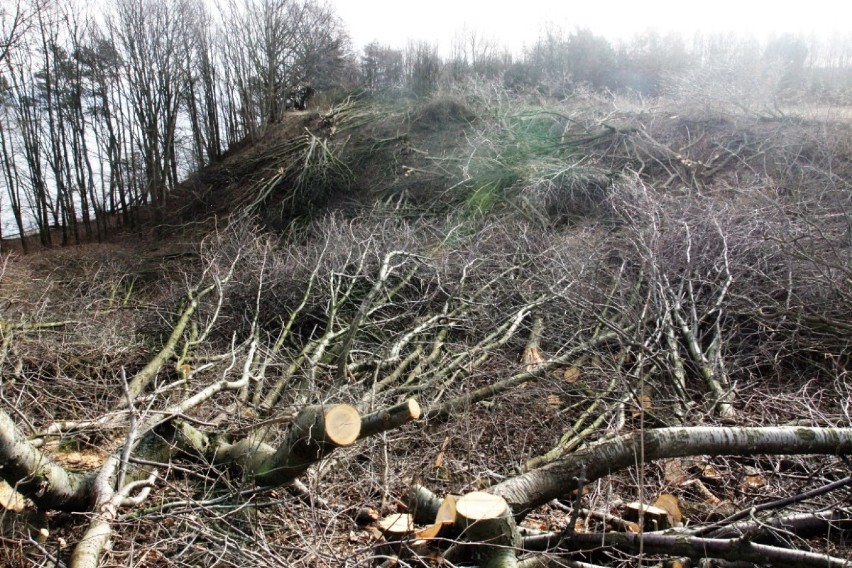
x=535, y=488
x=316, y=432
x=733, y=549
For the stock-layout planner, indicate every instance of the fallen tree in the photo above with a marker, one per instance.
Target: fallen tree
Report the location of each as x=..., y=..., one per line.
x=732, y=550
x=540, y=341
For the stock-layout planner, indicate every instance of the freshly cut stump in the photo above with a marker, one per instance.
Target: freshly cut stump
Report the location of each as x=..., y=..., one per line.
x=444, y=521
x=487, y=521
x=397, y=526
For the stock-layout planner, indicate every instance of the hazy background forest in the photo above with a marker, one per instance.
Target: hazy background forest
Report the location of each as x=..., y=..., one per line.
x=268, y=297
x=110, y=106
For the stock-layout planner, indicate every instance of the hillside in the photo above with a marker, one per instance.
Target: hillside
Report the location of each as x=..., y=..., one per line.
x=567, y=306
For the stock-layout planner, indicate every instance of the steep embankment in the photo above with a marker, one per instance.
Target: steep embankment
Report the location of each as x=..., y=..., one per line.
x=349, y=157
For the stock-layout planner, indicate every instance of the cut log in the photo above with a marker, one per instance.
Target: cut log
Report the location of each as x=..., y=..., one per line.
x=390, y=418
x=537, y=487
x=487, y=521
x=799, y=524
x=732, y=550
x=422, y=504
x=315, y=433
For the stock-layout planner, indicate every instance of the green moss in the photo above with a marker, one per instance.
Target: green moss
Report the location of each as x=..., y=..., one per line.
x=806, y=434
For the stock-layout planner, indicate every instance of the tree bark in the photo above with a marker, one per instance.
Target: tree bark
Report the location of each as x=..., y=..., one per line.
x=315, y=433
x=486, y=520
x=422, y=503
x=800, y=524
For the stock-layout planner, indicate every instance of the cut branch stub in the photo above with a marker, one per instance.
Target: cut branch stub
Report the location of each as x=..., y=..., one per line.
x=315, y=433
x=487, y=520
x=390, y=418
x=342, y=425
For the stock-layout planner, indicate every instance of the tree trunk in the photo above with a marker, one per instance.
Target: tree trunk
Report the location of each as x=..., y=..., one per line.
x=485, y=519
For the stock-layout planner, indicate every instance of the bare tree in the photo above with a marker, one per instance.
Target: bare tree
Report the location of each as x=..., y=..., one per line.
x=15, y=20
x=149, y=34
x=381, y=67
x=274, y=45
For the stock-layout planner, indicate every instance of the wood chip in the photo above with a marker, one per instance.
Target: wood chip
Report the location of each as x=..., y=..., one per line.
x=571, y=375
x=532, y=358
x=654, y=518
x=10, y=499
x=674, y=472
x=710, y=472
x=670, y=504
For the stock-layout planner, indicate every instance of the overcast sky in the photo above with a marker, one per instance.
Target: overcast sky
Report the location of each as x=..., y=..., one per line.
x=517, y=22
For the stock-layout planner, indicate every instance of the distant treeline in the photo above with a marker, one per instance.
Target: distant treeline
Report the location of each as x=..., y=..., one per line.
x=649, y=64
x=103, y=112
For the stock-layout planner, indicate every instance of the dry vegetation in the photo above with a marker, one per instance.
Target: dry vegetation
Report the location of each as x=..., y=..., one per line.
x=541, y=277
